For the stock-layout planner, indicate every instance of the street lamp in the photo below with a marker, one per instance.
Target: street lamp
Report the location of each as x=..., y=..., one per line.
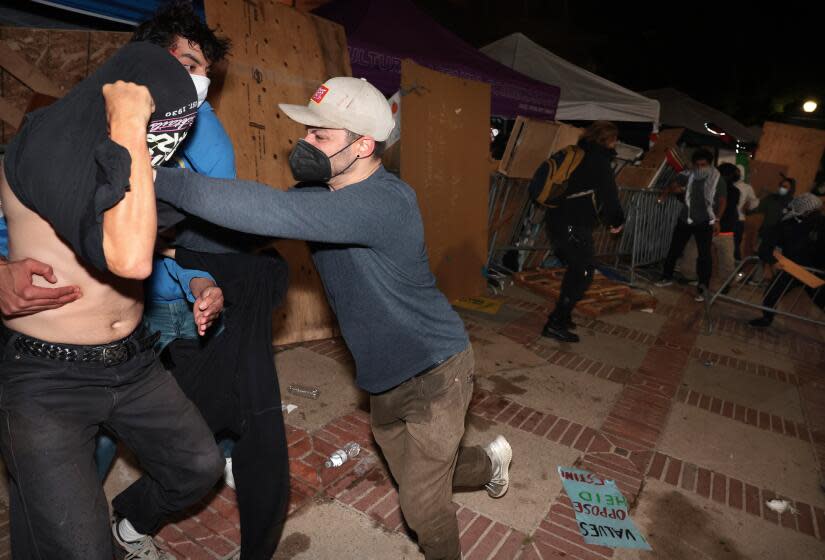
x=809, y=106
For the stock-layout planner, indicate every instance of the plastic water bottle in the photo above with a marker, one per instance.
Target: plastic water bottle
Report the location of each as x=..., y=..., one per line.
x=341, y=456
x=304, y=391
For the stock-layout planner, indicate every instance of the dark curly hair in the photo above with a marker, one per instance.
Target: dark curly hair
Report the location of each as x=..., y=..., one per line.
x=178, y=18
x=702, y=154
x=730, y=173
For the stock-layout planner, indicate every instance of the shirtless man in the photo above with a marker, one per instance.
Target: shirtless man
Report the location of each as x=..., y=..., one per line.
x=91, y=213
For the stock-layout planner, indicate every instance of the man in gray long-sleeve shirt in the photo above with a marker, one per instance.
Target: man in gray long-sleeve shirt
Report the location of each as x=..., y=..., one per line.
x=367, y=240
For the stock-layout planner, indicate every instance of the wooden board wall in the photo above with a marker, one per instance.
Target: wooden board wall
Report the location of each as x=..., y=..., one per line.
x=797, y=147
x=531, y=142
x=641, y=176
x=445, y=135
x=279, y=55
x=63, y=57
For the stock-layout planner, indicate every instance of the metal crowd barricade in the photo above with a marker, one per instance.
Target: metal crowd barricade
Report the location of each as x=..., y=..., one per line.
x=792, y=298
x=645, y=239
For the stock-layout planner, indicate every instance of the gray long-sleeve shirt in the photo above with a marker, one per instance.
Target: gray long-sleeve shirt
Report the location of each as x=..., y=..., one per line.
x=367, y=241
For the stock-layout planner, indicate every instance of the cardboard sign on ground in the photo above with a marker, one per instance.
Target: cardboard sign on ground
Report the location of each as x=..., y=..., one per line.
x=601, y=510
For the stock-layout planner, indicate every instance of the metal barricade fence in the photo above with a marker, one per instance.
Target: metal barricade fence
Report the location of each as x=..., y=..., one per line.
x=644, y=240
x=784, y=295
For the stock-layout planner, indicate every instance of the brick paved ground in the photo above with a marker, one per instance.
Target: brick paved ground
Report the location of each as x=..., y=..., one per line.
x=697, y=439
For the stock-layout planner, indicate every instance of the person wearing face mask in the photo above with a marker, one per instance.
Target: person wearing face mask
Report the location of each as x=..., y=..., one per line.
x=411, y=351
x=772, y=207
x=801, y=237
x=704, y=193
x=227, y=372
x=92, y=214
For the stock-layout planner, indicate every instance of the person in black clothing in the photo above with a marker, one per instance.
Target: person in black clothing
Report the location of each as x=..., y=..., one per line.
x=773, y=207
x=570, y=224
x=801, y=236
x=730, y=218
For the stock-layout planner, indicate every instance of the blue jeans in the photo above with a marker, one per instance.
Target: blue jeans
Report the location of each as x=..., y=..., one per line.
x=173, y=320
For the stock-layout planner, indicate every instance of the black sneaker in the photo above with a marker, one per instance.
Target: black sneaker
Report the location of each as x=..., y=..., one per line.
x=761, y=322
x=558, y=332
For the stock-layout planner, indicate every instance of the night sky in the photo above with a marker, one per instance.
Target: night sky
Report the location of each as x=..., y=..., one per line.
x=750, y=62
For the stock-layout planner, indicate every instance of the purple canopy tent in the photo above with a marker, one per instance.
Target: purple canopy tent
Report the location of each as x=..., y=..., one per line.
x=381, y=33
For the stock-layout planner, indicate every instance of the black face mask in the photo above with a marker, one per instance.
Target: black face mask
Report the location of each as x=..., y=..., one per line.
x=309, y=164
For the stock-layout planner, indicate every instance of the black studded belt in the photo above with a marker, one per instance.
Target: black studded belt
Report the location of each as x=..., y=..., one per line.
x=110, y=355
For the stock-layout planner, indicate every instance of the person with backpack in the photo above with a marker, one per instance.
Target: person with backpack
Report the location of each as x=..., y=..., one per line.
x=573, y=184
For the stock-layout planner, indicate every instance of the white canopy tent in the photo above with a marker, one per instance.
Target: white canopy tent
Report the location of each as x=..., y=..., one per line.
x=680, y=110
x=584, y=95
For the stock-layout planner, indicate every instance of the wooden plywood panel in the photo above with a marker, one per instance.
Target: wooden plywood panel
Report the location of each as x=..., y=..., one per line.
x=567, y=136
x=531, y=142
x=279, y=55
x=797, y=147
x=765, y=176
x=51, y=61
x=636, y=176
x=102, y=45
x=444, y=153
x=666, y=140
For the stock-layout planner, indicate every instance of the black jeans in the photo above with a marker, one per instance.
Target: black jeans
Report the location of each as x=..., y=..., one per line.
x=50, y=413
x=738, y=232
x=573, y=245
x=703, y=233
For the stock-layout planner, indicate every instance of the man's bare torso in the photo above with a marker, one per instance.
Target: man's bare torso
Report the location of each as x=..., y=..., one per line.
x=111, y=307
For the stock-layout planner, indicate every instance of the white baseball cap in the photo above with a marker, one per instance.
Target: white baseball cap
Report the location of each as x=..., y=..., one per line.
x=350, y=103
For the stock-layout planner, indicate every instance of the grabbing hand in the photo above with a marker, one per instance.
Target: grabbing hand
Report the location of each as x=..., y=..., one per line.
x=20, y=297
x=208, y=306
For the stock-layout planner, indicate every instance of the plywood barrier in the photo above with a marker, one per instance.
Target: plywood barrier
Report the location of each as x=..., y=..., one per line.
x=797, y=147
x=279, y=55
x=47, y=61
x=641, y=176
x=445, y=135
x=531, y=142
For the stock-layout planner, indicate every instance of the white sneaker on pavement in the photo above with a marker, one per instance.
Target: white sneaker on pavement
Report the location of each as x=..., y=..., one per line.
x=500, y=454
x=228, y=475
x=143, y=549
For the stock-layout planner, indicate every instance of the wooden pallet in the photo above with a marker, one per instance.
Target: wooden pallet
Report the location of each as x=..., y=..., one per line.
x=603, y=297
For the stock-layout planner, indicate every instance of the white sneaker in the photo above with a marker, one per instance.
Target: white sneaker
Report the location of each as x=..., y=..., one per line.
x=500, y=454
x=663, y=283
x=699, y=298
x=143, y=549
x=228, y=475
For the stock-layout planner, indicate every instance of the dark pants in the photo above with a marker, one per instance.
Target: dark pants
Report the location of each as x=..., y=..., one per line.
x=784, y=284
x=419, y=426
x=52, y=411
x=703, y=234
x=573, y=245
x=738, y=233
